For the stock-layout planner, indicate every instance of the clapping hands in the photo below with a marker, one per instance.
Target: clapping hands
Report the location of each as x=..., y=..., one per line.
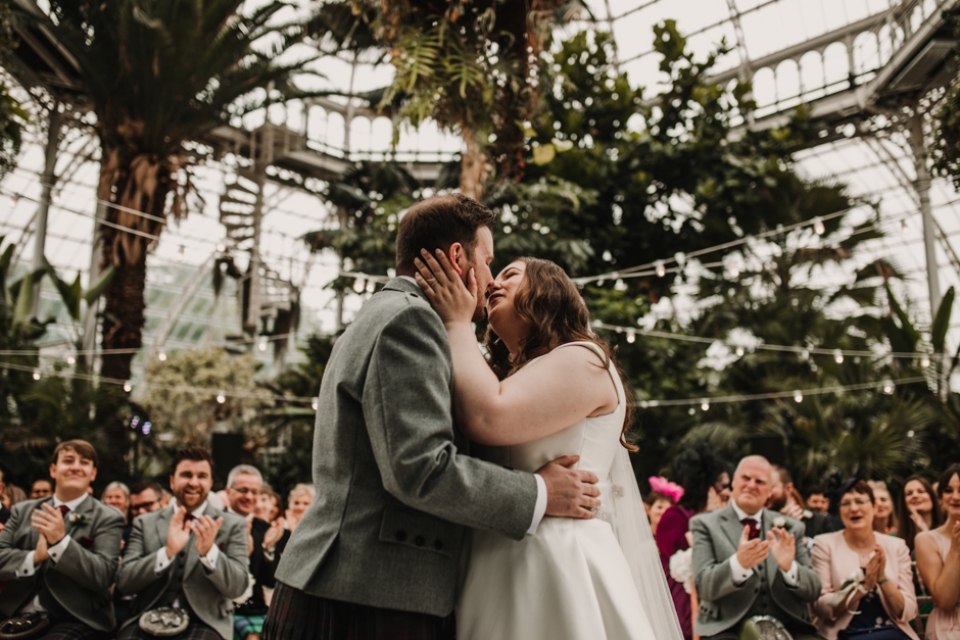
x=783, y=547
x=273, y=535
x=876, y=566
x=750, y=553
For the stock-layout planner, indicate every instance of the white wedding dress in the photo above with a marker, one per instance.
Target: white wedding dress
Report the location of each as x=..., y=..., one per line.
x=572, y=579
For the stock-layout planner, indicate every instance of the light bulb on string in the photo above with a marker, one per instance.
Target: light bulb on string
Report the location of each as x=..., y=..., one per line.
x=14, y=199
x=221, y=247
x=262, y=343
x=692, y=411
x=55, y=196
x=221, y=397
x=359, y=285
x=127, y=387
x=705, y=405
x=71, y=360
x=888, y=387
x=36, y=374
x=805, y=354
x=838, y=356
x=315, y=403
x=371, y=286
x=631, y=336
x=925, y=361
x=661, y=268
x=740, y=351
x=181, y=253
x=904, y=227
x=733, y=272
x=819, y=227
x=797, y=397
x=162, y=356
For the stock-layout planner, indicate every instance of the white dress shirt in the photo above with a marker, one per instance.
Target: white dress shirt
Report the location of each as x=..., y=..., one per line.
x=740, y=574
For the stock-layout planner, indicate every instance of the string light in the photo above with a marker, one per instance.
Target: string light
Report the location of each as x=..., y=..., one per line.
x=888, y=387
x=14, y=199
x=371, y=286
x=733, y=271
x=818, y=226
x=740, y=351
x=127, y=387
x=162, y=356
x=262, y=344
x=798, y=397
x=315, y=404
x=925, y=361
x=180, y=253
x=71, y=360
x=705, y=405
x=55, y=196
x=838, y=356
x=904, y=227
x=359, y=285
x=631, y=336
x=221, y=397
x=36, y=374
x=221, y=247
x=661, y=268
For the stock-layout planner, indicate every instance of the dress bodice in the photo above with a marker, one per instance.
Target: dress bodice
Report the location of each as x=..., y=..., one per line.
x=594, y=439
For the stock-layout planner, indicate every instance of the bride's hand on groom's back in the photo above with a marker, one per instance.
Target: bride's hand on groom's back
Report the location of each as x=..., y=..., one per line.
x=570, y=493
x=443, y=285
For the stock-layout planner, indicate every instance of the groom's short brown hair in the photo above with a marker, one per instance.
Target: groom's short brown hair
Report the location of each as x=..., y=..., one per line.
x=437, y=223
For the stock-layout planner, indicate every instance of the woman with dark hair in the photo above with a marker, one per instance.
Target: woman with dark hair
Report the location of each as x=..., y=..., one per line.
x=866, y=575
x=919, y=509
x=551, y=388
x=938, y=560
x=705, y=480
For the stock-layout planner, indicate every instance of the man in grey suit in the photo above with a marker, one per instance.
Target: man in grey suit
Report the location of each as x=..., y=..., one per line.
x=377, y=554
x=189, y=556
x=749, y=562
x=58, y=555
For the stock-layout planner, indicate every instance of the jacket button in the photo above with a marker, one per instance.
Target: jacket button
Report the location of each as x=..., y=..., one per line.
x=419, y=541
x=400, y=535
x=438, y=544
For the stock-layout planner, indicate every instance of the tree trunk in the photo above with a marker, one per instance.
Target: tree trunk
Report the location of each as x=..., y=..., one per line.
x=123, y=317
x=474, y=168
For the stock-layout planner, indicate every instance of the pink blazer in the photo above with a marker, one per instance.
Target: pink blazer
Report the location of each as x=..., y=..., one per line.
x=834, y=561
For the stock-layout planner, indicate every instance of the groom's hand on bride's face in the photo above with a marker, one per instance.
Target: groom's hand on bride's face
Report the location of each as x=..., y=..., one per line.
x=570, y=493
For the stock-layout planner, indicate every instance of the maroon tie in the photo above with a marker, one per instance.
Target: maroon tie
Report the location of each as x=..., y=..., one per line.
x=64, y=510
x=187, y=519
x=754, y=527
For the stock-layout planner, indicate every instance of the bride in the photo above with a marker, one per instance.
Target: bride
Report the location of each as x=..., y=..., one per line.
x=550, y=389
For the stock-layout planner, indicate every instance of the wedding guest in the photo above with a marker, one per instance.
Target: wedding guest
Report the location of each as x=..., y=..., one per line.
x=749, y=561
x=11, y=495
x=4, y=512
x=145, y=497
x=703, y=479
x=656, y=502
x=41, y=489
x=786, y=499
x=938, y=561
x=165, y=498
x=244, y=485
x=866, y=575
x=817, y=500
x=884, y=518
x=299, y=500
x=190, y=557
x=269, y=504
x=117, y=495
x=59, y=555
x=919, y=509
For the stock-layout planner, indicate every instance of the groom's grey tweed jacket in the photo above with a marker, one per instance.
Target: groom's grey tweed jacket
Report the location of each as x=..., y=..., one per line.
x=394, y=488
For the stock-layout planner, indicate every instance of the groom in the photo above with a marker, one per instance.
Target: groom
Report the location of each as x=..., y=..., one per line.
x=377, y=554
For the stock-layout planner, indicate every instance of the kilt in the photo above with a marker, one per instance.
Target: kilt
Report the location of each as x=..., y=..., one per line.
x=195, y=631
x=74, y=631
x=245, y=625
x=295, y=615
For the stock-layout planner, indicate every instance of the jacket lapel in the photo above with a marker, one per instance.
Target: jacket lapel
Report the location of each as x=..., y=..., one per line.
x=771, y=563
x=162, y=524
x=83, y=520
x=731, y=525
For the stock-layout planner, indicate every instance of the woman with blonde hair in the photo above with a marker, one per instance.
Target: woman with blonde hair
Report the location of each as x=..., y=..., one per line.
x=549, y=389
x=298, y=501
x=885, y=518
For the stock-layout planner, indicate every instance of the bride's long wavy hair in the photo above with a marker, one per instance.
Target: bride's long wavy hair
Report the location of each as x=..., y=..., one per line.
x=549, y=305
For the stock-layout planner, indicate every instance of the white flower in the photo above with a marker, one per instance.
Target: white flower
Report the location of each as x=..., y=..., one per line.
x=681, y=568
x=73, y=517
x=779, y=522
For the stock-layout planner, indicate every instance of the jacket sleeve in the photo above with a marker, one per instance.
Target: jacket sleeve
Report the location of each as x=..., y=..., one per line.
x=97, y=567
x=10, y=557
x=822, y=565
x=407, y=408
x=136, y=571
x=712, y=574
x=904, y=581
x=230, y=575
x=261, y=569
x=809, y=588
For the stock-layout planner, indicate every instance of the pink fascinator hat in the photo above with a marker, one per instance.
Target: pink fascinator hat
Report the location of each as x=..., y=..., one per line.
x=667, y=488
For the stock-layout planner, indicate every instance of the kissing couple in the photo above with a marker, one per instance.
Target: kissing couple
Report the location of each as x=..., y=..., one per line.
x=543, y=534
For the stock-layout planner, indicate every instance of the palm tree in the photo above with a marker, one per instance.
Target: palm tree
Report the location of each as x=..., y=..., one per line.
x=158, y=74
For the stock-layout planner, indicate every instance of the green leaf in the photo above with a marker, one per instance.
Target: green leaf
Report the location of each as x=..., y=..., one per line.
x=70, y=294
x=942, y=322
x=97, y=288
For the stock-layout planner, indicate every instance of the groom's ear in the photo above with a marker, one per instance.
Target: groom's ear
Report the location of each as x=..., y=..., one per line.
x=457, y=256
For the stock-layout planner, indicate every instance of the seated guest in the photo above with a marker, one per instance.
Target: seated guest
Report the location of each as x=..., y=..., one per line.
x=269, y=504
x=655, y=502
x=919, y=509
x=11, y=495
x=783, y=498
x=866, y=576
x=189, y=557
x=817, y=500
x=117, y=495
x=59, y=555
x=938, y=560
x=749, y=562
x=703, y=478
x=243, y=490
x=884, y=519
x=145, y=497
x=299, y=500
x=41, y=489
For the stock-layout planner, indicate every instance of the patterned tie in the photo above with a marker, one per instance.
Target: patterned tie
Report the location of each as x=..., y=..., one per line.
x=754, y=527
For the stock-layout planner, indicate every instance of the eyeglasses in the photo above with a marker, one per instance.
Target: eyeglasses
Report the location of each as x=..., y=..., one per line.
x=246, y=491
x=846, y=504
x=143, y=506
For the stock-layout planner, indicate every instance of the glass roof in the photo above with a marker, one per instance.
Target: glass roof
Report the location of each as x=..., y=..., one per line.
x=838, y=34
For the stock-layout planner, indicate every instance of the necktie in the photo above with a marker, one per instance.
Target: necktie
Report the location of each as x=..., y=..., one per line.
x=754, y=527
x=64, y=510
x=187, y=519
